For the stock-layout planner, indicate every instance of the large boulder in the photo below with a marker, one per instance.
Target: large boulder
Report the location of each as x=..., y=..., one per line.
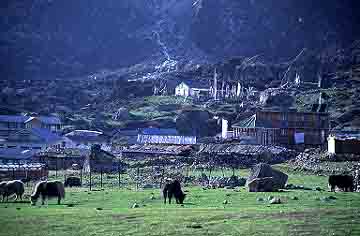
x=260, y=171
x=266, y=184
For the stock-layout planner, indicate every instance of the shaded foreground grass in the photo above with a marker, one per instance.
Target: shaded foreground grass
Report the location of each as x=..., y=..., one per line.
x=109, y=213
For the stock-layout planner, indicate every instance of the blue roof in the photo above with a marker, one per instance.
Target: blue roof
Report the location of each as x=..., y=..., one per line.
x=157, y=131
x=21, y=119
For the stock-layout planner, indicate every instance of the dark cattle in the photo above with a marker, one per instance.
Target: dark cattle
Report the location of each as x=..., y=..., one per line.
x=48, y=189
x=8, y=188
x=343, y=182
x=171, y=189
x=72, y=182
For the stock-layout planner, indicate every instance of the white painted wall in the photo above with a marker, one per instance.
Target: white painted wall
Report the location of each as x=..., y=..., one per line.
x=331, y=145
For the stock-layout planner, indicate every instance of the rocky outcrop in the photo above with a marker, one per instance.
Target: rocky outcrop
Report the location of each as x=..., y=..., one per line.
x=264, y=177
x=266, y=184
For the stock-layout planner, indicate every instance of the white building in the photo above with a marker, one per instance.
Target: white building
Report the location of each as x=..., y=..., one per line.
x=188, y=90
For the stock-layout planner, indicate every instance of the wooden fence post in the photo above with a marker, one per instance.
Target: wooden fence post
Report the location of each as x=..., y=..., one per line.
x=81, y=179
x=137, y=179
x=90, y=177
x=119, y=174
x=101, y=178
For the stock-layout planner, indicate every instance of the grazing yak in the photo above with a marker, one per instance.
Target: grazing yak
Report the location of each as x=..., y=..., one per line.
x=343, y=182
x=72, y=182
x=173, y=188
x=48, y=189
x=8, y=188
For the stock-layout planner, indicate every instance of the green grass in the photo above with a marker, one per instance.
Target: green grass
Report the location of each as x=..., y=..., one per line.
x=202, y=214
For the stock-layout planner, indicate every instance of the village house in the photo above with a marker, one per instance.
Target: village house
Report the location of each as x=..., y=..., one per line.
x=32, y=139
x=192, y=89
x=286, y=128
x=16, y=156
x=344, y=143
x=9, y=124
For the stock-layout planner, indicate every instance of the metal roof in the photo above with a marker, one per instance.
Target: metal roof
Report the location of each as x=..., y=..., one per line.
x=157, y=131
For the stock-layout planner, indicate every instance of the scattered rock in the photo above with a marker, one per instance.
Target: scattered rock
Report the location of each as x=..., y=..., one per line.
x=99, y=208
x=328, y=199
x=225, y=202
x=70, y=205
x=275, y=201
x=260, y=199
x=18, y=208
x=152, y=197
x=318, y=189
x=194, y=226
x=294, y=198
x=270, y=198
x=135, y=205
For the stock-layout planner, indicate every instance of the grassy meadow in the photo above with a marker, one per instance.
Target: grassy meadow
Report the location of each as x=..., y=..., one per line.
x=110, y=212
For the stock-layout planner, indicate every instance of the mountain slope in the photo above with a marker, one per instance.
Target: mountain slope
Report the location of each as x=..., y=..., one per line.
x=53, y=38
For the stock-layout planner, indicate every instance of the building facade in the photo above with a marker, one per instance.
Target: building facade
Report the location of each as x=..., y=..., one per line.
x=32, y=139
x=290, y=129
x=187, y=90
x=9, y=124
x=344, y=144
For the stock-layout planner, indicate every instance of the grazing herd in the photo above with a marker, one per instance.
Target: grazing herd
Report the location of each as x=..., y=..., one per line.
x=56, y=189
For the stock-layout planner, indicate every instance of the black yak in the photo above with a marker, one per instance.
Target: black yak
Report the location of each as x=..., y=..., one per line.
x=8, y=188
x=173, y=188
x=48, y=189
x=72, y=182
x=343, y=182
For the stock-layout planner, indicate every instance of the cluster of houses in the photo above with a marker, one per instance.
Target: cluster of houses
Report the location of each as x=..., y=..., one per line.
x=37, y=140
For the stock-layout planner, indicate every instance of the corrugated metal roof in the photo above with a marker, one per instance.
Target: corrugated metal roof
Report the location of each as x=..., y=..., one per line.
x=165, y=139
x=157, y=131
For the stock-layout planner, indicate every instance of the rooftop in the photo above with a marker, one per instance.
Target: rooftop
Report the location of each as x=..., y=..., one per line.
x=15, y=154
x=50, y=120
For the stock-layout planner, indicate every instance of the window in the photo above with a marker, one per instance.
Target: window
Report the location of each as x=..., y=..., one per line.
x=284, y=116
x=284, y=132
x=11, y=146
